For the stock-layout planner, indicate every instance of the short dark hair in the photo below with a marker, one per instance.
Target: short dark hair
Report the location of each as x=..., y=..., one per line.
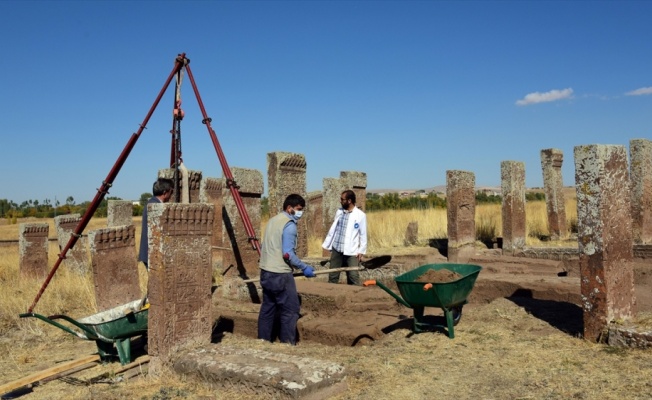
x=294, y=200
x=349, y=195
x=162, y=186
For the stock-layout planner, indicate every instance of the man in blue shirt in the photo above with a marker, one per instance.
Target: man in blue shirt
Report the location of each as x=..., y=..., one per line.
x=277, y=260
x=162, y=192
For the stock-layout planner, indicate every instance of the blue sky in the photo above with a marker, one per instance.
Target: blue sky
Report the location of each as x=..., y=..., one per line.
x=403, y=91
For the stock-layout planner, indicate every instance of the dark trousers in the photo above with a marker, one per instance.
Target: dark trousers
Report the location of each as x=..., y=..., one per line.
x=339, y=260
x=280, y=299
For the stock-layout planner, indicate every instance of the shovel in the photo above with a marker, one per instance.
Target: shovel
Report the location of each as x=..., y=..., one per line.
x=371, y=263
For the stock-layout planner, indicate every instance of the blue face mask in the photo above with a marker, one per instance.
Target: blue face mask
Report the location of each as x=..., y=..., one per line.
x=298, y=214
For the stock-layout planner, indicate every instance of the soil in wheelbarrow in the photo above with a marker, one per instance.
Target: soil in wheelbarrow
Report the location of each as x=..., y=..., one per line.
x=438, y=276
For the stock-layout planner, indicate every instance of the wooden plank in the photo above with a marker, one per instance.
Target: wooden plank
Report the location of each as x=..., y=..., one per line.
x=35, y=377
x=137, y=362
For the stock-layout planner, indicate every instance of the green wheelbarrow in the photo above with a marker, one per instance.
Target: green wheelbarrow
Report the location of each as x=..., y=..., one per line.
x=111, y=329
x=450, y=296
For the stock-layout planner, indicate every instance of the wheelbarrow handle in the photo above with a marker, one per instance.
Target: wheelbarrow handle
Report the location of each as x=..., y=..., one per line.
x=398, y=298
x=88, y=334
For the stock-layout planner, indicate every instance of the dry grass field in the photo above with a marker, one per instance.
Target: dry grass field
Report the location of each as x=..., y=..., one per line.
x=499, y=351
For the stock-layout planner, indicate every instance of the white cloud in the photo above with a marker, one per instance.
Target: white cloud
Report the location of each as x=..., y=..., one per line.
x=553, y=95
x=640, y=92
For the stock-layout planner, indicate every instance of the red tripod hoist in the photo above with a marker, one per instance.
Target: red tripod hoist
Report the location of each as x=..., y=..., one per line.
x=181, y=63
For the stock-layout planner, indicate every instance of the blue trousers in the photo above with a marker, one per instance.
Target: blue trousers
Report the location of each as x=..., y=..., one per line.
x=280, y=304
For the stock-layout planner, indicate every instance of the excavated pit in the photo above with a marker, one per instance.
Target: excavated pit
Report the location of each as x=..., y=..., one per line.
x=343, y=315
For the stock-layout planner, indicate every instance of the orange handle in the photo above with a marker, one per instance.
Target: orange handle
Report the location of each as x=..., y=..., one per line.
x=427, y=286
x=370, y=282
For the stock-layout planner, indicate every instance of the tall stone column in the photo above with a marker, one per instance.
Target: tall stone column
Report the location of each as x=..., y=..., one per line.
x=641, y=177
x=33, y=249
x=512, y=177
x=460, y=212
x=76, y=257
x=115, y=266
x=212, y=192
x=604, y=236
x=243, y=260
x=553, y=184
x=286, y=174
x=179, y=286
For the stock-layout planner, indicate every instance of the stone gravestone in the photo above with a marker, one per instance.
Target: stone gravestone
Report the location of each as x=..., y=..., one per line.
x=512, y=174
x=641, y=177
x=243, y=260
x=553, y=184
x=120, y=212
x=460, y=212
x=33, y=249
x=179, y=286
x=286, y=174
x=76, y=257
x=115, y=266
x=604, y=236
x=212, y=192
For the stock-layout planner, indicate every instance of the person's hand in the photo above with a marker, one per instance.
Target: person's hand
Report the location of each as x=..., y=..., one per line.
x=309, y=272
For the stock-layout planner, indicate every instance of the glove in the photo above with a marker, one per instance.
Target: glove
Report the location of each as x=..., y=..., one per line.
x=309, y=272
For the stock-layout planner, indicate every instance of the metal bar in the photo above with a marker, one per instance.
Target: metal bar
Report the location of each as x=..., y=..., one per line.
x=106, y=184
x=251, y=233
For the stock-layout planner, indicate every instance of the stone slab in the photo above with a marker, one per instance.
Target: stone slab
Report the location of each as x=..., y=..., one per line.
x=262, y=373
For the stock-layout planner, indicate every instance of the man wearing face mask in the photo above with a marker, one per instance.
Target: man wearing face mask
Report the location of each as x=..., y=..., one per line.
x=277, y=261
x=347, y=239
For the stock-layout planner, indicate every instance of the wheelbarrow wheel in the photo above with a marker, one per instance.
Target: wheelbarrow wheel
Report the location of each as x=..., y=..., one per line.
x=457, y=314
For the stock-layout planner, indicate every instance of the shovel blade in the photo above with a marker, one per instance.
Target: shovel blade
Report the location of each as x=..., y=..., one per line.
x=376, y=262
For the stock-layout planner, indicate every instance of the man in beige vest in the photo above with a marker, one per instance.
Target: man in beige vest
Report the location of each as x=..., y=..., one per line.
x=277, y=260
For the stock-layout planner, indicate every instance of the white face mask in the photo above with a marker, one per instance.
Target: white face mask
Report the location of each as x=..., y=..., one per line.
x=298, y=214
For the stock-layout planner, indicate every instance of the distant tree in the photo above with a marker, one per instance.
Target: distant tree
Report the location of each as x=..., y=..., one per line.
x=144, y=198
x=535, y=196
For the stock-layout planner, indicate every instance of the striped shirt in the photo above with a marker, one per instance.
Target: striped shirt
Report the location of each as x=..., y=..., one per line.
x=340, y=231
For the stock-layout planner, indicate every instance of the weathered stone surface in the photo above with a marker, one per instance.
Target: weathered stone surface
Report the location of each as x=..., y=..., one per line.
x=553, y=184
x=180, y=272
x=119, y=213
x=115, y=266
x=629, y=337
x=243, y=259
x=76, y=257
x=315, y=214
x=460, y=212
x=641, y=178
x=512, y=177
x=33, y=249
x=604, y=236
x=263, y=374
x=411, y=234
x=286, y=174
x=211, y=191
